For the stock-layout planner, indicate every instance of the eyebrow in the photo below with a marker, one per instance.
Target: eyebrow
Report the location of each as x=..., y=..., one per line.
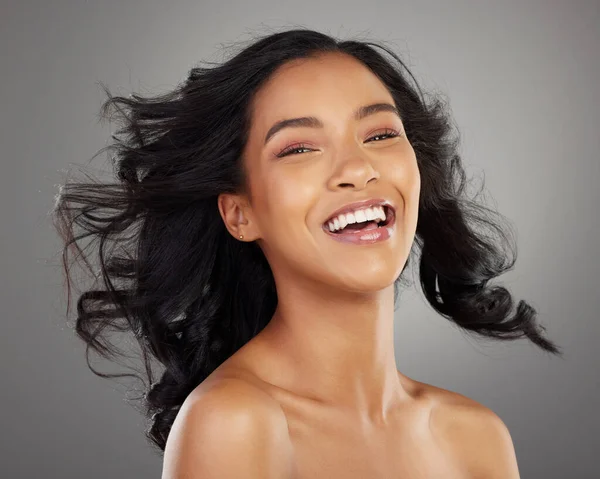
x=314, y=122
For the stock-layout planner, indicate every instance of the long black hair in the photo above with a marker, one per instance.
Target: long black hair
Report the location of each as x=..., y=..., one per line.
x=169, y=271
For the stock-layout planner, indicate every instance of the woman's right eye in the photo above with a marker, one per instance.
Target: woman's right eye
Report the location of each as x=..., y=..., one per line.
x=291, y=149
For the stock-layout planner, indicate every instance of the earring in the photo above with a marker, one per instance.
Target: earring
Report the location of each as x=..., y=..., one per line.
x=241, y=236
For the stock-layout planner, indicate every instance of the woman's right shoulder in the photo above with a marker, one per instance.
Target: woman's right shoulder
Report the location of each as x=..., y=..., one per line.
x=228, y=426
x=232, y=391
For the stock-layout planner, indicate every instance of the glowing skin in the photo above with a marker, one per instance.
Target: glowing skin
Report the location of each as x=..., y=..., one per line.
x=324, y=367
x=316, y=393
x=332, y=334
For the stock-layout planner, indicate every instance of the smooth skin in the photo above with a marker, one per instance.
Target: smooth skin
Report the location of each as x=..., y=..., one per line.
x=317, y=392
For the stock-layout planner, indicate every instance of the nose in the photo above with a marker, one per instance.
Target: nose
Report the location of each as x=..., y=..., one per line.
x=354, y=172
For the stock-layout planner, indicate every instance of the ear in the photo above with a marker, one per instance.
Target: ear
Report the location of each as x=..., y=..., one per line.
x=236, y=212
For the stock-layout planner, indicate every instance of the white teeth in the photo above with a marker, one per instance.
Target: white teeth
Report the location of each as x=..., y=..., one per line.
x=360, y=216
x=375, y=213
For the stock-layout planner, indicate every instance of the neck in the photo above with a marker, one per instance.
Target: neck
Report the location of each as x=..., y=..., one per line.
x=336, y=348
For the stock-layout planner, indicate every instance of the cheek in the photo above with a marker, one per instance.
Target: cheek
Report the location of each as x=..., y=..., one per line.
x=404, y=175
x=411, y=190
x=403, y=171
x=289, y=197
x=413, y=181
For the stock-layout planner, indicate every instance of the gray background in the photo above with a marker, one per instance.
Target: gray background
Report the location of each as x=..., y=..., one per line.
x=523, y=78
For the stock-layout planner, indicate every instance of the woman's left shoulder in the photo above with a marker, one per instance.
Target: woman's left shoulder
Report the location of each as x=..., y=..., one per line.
x=473, y=432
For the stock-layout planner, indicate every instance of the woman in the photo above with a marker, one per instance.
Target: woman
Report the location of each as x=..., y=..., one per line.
x=265, y=213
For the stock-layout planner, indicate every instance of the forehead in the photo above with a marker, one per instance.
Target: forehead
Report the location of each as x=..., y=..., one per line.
x=330, y=83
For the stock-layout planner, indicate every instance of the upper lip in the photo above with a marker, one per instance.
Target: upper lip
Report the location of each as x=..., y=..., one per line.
x=360, y=204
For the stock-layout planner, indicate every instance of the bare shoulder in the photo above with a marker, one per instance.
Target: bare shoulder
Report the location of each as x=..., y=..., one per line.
x=474, y=434
x=228, y=428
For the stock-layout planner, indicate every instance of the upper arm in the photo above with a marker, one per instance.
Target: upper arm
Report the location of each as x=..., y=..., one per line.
x=232, y=430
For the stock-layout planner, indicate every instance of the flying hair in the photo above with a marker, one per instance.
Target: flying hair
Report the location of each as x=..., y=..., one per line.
x=168, y=272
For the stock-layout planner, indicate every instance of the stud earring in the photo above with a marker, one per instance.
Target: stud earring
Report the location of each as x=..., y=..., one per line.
x=241, y=236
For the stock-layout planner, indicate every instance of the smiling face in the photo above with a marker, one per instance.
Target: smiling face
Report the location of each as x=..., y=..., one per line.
x=305, y=172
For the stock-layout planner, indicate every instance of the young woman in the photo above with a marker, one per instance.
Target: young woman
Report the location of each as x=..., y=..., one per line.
x=254, y=243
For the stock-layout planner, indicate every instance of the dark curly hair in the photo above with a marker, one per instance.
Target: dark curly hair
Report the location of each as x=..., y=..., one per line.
x=191, y=294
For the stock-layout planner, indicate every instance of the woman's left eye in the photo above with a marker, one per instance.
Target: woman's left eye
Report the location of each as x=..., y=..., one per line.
x=388, y=133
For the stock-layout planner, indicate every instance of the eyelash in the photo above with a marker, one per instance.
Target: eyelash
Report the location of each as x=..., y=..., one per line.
x=287, y=151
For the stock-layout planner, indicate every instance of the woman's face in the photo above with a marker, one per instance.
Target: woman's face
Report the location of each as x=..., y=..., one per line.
x=292, y=195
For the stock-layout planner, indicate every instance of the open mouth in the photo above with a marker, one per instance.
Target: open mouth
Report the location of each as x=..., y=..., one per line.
x=364, y=225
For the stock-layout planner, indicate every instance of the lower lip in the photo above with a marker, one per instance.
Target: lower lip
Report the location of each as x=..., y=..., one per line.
x=365, y=237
